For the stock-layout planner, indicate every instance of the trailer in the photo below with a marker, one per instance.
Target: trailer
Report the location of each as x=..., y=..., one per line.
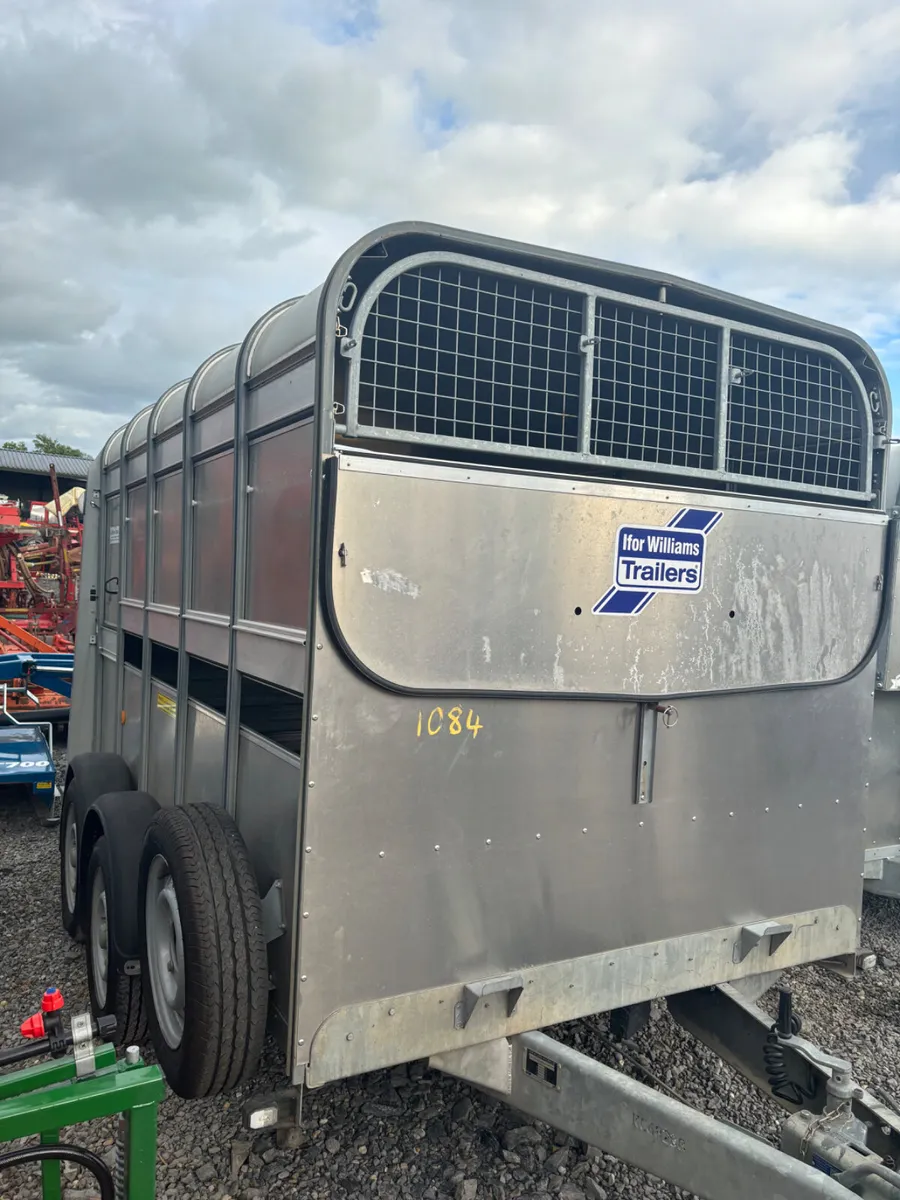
x=489, y=641
x=881, y=817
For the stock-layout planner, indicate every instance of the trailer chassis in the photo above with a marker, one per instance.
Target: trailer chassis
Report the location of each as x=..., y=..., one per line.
x=838, y=1138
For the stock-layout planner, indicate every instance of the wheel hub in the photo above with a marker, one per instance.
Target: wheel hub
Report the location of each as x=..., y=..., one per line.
x=100, y=938
x=70, y=859
x=165, y=952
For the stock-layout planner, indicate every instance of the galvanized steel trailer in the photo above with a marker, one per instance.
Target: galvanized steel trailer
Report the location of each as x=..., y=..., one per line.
x=881, y=823
x=487, y=641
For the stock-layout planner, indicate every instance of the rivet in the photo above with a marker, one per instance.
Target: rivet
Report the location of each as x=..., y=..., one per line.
x=312, y=783
x=315, y=716
x=299, y=1041
x=349, y=1037
x=318, y=645
x=392, y=1012
x=305, y=915
x=837, y=801
x=731, y=814
x=584, y=830
x=864, y=829
x=538, y=836
x=381, y=854
x=487, y=841
x=867, y=783
x=309, y=849
x=693, y=818
x=641, y=823
x=303, y=979
x=437, y=848
x=870, y=739
x=800, y=805
x=767, y=809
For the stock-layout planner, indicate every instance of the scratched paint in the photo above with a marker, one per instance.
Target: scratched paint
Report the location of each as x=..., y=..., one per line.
x=559, y=675
x=388, y=580
x=788, y=599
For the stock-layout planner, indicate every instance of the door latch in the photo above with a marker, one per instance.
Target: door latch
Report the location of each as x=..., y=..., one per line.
x=648, y=718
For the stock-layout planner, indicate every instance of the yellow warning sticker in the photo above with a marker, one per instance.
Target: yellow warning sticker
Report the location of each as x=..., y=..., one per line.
x=165, y=704
x=44, y=783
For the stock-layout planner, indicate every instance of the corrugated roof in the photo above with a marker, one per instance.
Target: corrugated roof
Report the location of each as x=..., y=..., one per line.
x=39, y=464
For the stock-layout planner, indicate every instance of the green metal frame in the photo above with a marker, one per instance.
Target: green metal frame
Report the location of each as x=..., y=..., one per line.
x=43, y=1100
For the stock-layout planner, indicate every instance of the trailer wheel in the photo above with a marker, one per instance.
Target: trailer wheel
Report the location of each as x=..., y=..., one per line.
x=112, y=991
x=68, y=865
x=204, y=953
x=90, y=775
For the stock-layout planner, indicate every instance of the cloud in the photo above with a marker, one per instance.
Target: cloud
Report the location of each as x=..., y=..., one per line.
x=172, y=168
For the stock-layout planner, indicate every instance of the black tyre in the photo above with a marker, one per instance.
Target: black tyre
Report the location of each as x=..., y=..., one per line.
x=203, y=957
x=112, y=991
x=92, y=776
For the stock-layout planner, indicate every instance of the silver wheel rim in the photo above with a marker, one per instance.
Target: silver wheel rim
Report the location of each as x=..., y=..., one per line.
x=99, y=938
x=70, y=862
x=165, y=952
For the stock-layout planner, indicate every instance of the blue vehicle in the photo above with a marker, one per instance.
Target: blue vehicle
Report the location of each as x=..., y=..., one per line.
x=26, y=748
x=26, y=758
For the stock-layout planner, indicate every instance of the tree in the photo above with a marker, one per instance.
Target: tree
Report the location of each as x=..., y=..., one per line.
x=44, y=444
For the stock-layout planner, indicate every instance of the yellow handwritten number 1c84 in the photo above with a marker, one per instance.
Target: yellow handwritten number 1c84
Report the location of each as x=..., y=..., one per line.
x=434, y=723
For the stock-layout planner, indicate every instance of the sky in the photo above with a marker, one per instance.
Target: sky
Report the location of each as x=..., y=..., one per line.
x=170, y=169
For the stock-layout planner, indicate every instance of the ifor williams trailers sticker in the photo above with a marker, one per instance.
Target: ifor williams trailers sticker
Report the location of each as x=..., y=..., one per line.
x=658, y=558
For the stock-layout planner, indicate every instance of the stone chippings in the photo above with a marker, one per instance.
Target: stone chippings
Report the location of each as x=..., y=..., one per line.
x=410, y=1134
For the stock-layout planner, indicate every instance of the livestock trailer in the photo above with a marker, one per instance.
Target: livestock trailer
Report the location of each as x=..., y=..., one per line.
x=881, y=823
x=486, y=641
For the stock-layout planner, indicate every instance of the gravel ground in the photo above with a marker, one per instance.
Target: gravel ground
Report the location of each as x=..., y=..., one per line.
x=410, y=1133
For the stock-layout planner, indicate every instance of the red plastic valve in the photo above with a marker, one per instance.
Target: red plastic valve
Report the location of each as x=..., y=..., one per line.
x=52, y=1000
x=33, y=1027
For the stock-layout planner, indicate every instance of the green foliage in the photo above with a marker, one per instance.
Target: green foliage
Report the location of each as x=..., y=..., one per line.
x=44, y=444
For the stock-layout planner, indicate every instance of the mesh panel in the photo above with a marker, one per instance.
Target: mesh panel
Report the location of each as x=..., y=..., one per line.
x=457, y=353
x=655, y=387
x=793, y=415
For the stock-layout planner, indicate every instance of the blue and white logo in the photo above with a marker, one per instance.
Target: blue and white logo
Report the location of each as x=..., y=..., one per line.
x=658, y=558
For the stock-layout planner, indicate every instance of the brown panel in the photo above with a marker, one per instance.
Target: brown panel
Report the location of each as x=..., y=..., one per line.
x=167, y=541
x=213, y=550
x=278, y=517
x=136, y=545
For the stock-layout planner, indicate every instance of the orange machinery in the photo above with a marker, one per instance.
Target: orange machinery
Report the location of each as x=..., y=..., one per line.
x=40, y=558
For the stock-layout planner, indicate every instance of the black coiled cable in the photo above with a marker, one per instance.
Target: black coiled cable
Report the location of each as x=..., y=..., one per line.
x=783, y=1087
x=63, y=1153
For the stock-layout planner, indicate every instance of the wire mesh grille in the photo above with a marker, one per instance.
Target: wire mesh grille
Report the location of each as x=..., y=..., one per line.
x=793, y=415
x=457, y=353
x=655, y=387
x=451, y=352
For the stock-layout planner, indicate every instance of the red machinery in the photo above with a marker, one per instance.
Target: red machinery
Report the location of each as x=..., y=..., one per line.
x=40, y=560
